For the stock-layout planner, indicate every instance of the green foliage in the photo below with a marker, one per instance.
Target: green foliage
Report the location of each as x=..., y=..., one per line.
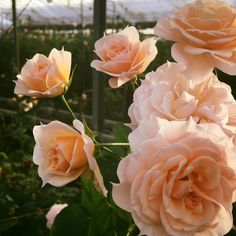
x=94, y=216
x=110, y=156
x=72, y=221
x=23, y=203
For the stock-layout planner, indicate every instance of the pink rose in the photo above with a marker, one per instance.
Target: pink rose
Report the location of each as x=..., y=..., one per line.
x=169, y=94
x=53, y=212
x=63, y=154
x=44, y=76
x=123, y=56
x=179, y=179
x=205, y=32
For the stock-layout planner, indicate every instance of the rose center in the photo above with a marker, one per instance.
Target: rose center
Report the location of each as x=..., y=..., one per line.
x=42, y=68
x=114, y=51
x=56, y=160
x=191, y=200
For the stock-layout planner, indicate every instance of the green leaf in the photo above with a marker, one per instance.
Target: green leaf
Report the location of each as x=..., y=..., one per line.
x=91, y=199
x=3, y=155
x=70, y=81
x=71, y=221
x=71, y=76
x=121, y=132
x=7, y=224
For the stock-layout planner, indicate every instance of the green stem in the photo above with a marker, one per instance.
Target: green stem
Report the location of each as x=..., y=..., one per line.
x=130, y=229
x=67, y=106
x=112, y=144
x=41, y=212
x=133, y=83
x=133, y=86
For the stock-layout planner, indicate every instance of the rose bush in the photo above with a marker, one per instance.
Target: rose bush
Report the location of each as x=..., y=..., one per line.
x=205, y=36
x=44, y=76
x=169, y=94
x=63, y=154
x=179, y=178
x=123, y=56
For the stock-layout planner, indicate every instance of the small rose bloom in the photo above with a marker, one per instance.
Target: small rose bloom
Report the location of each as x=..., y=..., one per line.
x=179, y=179
x=169, y=94
x=53, y=212
x=63, y=154
x=205, y=36
x=123, y=56
x=44, y=76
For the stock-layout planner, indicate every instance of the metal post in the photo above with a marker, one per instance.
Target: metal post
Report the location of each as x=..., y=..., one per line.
x=114, y=15
x=99, y=22
x=81, y=15
x=16, y=45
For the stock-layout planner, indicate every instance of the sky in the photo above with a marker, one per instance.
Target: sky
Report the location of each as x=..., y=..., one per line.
x=69, y=11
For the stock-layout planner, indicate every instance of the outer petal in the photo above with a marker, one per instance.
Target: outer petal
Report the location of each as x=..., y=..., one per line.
x=89, y=149
x=197, y=67
x=224, y=222
x=53, y=212
x=57, y=180
x=132, y=33
x=22, y=89
x=63, y=61
x=121, y=195
x=227, y=65
x=145, y=55
x=44, y=134
x=37, y=155
x=163, y=29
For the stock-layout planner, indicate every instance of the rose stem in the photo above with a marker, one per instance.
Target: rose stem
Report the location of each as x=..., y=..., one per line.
x=112, y=144
x=67, y=106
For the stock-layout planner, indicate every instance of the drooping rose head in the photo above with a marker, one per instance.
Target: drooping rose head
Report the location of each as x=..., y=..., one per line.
x=169, y=94
x=205, y=32
x=179, y=179
x=123, y=56
x=44, y=76
x=53, y=212
x=63, y=154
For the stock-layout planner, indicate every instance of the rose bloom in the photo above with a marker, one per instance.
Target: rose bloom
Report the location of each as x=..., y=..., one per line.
x=63, y=154
x=169, y=94
x=205, y=32
x=123, y=56
x=44, y=76
x=53, y=212
x=179, y=179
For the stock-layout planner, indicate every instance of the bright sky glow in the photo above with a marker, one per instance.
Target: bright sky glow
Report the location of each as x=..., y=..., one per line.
x=69, y=11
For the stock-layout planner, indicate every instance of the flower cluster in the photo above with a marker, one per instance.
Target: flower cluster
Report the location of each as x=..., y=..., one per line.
x=180, y=175
x=179, y=178
x=62, y=153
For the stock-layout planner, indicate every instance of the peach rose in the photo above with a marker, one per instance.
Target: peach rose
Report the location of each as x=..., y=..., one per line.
x=63, y=154
x=205, y=32
x=53, y=212
x=167, y=93
x=179, y=179
x=44, y=76
x=123, y=56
